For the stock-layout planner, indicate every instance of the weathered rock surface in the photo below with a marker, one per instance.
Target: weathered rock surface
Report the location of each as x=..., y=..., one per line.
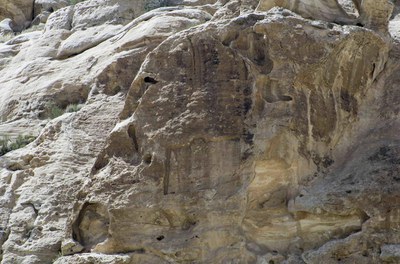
x=373, y=14
x=205, y=133
x=20, y=11
x=6, y=27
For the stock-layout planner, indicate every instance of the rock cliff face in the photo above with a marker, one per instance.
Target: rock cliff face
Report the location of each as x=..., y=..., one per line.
x=200, y=132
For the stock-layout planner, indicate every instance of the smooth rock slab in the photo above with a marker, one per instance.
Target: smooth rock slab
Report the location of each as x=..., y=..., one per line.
x=82, y=40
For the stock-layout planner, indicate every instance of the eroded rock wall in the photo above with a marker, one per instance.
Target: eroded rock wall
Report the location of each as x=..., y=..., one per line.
x=209, y=133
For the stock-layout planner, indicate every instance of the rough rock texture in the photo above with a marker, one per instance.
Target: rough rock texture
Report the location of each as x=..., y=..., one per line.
x=86, y=13
x=20, y=11
x=373, y=14
x=329, y=10
x=206, y=132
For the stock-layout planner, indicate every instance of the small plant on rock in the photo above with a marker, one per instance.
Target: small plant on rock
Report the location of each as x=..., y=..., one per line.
x=7, y=145
x=4, y=141
x=54, y=111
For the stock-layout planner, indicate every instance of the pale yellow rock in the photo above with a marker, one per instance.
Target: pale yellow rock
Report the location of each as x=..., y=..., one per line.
x=70, y=247
x=202, y=134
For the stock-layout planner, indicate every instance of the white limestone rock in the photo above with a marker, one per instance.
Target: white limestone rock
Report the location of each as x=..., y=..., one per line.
x=82, y=40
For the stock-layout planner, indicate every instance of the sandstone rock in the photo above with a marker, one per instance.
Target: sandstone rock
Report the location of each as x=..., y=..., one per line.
x=61, y=19
x=24, y=38
x=82, y=40
x=49, y=6
x=328, y=10
x=70, y=247
x=97, y=12
x=132, y=48
x=376, y=14
x=206, y=134
x=194, y=115
x=373, y=14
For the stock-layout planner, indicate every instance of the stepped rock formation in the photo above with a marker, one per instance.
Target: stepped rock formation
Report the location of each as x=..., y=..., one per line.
x=201, y=131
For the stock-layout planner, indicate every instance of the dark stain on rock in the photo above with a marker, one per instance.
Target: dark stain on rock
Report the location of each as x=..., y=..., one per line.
x=386, y=154
x=348, y=103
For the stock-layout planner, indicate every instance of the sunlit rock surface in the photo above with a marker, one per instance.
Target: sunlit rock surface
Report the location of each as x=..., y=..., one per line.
x=202, y=132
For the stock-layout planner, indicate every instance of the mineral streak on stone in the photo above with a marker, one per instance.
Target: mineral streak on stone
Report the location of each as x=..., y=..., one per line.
x=202, y=131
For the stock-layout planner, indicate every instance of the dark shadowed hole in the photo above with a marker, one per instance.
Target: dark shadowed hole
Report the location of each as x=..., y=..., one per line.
x=147, y=158
x=159, y=238
x=286, y=98
x=373, y=70
x=150, y=80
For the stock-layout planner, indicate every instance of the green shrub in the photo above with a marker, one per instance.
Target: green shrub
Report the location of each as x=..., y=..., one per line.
x=7, y=145
x=54, y=111
x=4, y=141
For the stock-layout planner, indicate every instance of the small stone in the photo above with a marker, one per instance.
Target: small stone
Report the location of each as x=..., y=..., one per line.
x=70, y=247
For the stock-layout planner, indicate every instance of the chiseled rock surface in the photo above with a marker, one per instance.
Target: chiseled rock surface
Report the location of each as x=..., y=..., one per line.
x=208, y=133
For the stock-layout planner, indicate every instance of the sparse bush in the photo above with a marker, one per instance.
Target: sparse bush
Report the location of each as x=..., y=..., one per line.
x=54, y=111
x=7, y=145
x=4, y=141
